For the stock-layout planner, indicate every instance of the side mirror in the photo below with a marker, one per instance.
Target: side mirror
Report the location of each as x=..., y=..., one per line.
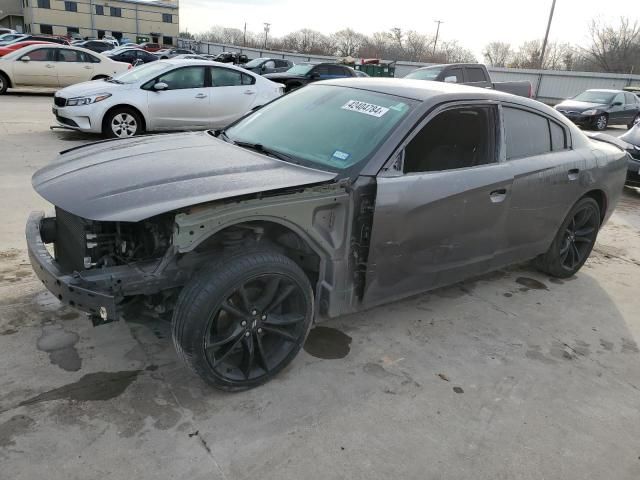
x=616, y=104
x=263, y=68
x=451, y=79
x=160, y=86
x=26, y=58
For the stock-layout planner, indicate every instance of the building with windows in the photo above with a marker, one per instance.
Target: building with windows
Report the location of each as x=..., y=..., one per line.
x=11, y=14
x=138, y=20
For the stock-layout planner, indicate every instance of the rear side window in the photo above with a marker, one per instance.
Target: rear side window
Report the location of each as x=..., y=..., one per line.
x=475, y=75
x=337, y=71
x=558, y=137
x=527, y=134
x=225, y=77
x=65, y=55
x=630, y=98
x=321, y=70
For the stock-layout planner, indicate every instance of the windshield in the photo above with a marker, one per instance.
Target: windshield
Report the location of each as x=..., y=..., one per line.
x=322, y=126
x=255, y=62
x=595, y=96
x=430, y=73
x=143, y=72
x=301, y=68
x=11, y=37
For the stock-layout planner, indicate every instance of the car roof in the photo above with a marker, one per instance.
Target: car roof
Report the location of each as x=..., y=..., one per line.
x=424, y=90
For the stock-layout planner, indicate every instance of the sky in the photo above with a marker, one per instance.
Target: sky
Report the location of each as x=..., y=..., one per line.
x=474, y=23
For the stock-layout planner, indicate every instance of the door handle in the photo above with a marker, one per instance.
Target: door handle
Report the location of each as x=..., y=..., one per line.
x=48, y=65
x=201, y=95
x=88, y=67
x=498, y=195
x=573, y=174
x=249, y=92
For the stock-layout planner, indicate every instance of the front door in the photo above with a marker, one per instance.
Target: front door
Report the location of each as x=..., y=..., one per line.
x=233, y=94
x=73, y=67
x=438, y=219
x=185, y=104
x=617, y=114
x=39, y=70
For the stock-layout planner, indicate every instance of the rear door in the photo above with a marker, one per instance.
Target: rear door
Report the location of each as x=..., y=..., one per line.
x=40, y=70
x=617, y=113
x=233, y=94
x=185, y=104
x=73, y=67
x=546, y=173
x=439, y=218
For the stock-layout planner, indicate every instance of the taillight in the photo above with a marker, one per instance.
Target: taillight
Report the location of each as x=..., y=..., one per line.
x=131, y=66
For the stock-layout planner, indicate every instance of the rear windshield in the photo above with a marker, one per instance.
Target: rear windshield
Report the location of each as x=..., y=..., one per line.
x=324, y=126
x=430, y=73
x=595, y=96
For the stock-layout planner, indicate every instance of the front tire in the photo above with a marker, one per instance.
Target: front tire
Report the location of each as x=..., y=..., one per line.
x=121, y=123
x=241, y=321
x=601, y=122
x=574, y=241
x=4, y=83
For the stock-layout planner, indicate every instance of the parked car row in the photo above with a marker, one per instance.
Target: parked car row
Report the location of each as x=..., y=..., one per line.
x=597, y=109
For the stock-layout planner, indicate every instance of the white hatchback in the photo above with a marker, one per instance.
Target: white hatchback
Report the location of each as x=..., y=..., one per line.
x=53, y=66
x=164, y=95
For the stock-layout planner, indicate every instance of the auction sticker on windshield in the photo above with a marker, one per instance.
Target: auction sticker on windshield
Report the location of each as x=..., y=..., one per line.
x=366, y=108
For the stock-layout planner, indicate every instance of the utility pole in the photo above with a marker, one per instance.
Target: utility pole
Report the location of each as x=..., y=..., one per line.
x=546, y=35
x=435, y=42
x=244, y=35
x=266, y=33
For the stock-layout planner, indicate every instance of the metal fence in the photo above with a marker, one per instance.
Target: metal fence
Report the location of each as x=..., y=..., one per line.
x=549, y=86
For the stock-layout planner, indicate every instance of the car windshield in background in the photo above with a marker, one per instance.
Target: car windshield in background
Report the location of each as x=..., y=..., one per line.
x=255, y=62
x=141, y=73
x=425, y=74
x=301, y=68
x=595, y=96
x=324, y=126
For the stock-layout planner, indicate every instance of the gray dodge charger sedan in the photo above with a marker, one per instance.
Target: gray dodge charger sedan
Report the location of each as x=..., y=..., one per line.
x=343, y=195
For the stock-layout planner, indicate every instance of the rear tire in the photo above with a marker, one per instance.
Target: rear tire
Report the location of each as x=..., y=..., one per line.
x=239, y=322
x=574, y=241
x=4, y=83
x=122, y=123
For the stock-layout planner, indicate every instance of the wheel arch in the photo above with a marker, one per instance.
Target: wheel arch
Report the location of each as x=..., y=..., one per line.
x=125, y=105
x=100, y=76
x=6, y=75
x=601, y=199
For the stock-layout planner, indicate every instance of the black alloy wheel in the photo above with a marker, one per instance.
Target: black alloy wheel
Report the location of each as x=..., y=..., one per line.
x=238, y=324
x=573, y=242
x=601, y=122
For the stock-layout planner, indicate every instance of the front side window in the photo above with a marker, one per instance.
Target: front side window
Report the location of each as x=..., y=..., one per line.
x=181, y=78
x=453, y=76
x=269, y=64
x=327, y=127
x=322, y=70
x=41, y=55
x=225, y=77
x=619, y=98
x=526, y=133
x=457, y=138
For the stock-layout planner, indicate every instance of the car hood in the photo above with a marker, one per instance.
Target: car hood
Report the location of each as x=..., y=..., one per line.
x=632, y=136
x=92, y=87
x=577, y=106
x=133, y=179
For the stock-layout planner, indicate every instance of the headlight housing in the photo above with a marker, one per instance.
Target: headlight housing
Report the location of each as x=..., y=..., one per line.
x=78, y=101
x=590, y=112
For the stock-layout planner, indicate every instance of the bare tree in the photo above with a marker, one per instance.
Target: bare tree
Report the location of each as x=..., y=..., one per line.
x=305, y=41
x=614, y=48
x=527, y=55
x=497, y=54
x=416, y=46
x=453, y=52
x=348, y=42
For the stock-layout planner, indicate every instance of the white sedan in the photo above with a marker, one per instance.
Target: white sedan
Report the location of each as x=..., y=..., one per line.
x=164, y=95
x=51, y=65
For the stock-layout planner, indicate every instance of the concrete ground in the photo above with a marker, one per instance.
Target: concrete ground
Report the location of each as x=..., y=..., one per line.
x=512, y=376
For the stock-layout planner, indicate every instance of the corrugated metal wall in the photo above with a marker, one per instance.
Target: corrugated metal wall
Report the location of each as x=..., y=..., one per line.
x=550, y=86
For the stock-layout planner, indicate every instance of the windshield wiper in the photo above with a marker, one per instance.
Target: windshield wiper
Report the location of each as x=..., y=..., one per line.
x=258, y=147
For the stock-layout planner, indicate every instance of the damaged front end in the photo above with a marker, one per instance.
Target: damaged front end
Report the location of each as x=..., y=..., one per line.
x=97, y=265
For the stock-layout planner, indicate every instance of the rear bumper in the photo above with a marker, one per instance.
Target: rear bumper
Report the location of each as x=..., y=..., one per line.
x=70, y=289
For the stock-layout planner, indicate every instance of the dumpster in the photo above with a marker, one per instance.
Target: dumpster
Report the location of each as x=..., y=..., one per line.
x=375, y=67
